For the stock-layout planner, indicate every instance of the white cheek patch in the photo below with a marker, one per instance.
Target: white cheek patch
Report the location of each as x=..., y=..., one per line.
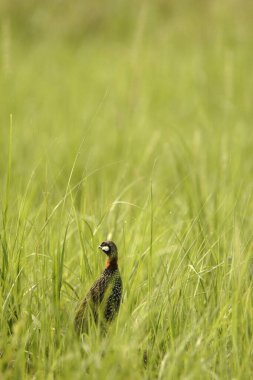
x=105, y=248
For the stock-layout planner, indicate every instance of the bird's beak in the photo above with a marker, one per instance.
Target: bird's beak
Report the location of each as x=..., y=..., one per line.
x=104, y=248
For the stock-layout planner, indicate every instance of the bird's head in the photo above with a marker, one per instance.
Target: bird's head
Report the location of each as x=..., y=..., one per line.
x=110, y=249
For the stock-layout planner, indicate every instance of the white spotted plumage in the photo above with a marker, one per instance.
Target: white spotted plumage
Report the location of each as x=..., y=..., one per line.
x=104, y=297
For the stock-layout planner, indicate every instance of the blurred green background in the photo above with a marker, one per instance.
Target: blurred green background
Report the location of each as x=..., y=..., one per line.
x=128, y=78
x=131, y=120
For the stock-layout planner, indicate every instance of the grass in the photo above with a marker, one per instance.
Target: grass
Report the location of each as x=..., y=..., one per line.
x=138, y=128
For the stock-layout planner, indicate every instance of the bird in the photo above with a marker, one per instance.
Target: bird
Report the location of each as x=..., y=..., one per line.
x=102, y=302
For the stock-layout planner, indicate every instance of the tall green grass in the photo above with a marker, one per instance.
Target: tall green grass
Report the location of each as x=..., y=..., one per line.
x=136, y=128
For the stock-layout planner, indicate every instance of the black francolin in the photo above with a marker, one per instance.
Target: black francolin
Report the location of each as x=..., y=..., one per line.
x=102, y=302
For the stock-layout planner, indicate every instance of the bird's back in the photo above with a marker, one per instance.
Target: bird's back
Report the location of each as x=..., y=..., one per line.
x=102, y=301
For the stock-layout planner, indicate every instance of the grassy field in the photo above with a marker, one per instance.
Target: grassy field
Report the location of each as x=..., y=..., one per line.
x=134, y=121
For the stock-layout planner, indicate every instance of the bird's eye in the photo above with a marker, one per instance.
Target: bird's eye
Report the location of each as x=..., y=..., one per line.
x=106, y=248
